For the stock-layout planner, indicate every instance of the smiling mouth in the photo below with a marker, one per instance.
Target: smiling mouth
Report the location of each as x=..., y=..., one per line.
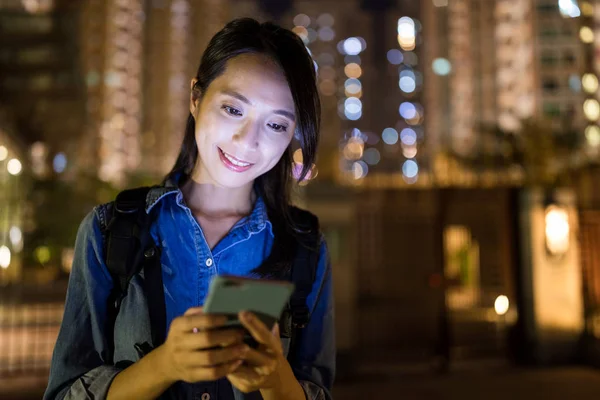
x=233, y=163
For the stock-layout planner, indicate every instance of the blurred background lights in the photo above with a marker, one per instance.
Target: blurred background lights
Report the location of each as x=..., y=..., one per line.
x=389, y=136
x=592, y=135
x=440, y=3
x=590, y=83
x=302, y=20
x=407, y=81
x=575, y=83
x=408, y=136
x=501, y=305
x=3, y=153
x=586, y=34
x=326, y=34
x=301, y=32
x=353, y=150
x=441, y=66
x=353, y=105
x=352, y=46
x=372, y=156
x=409, y=152
x=353, y=70
x=395, y=56
x=14, y=166
x=359, y=170
x=348, y=59
x=406, y=33
x=15, y=235
x=410, y=169
x=352, y=86
x=410, y=58
x=408, y=110
x=4, y=257
x=569, y=8
x=325, y=59
x=59, y=163
x=325, y=20
x=591, y=109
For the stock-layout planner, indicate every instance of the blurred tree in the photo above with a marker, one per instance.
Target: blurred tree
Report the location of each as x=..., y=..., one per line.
x=541, y=153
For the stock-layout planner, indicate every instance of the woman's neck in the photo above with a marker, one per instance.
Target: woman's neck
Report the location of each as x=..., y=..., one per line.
x=217, y=202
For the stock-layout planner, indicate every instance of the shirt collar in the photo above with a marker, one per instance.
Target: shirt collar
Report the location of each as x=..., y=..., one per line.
x=254, y=223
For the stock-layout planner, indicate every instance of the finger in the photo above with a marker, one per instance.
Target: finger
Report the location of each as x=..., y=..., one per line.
x=193, y=310
x=209, y=339
x=257, y=358
x=214, y=373
x=257, y=329
x=275, y=330
x=246, y=374
x=200, y=321
x=215, y=357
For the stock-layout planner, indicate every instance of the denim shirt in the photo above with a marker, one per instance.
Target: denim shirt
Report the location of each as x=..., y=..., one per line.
x=78, y=370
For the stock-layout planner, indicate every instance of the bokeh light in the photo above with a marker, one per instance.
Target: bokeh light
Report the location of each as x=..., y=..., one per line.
x=409, y=151
x=352, y=46
x=410, y=169
x=586, y=34
x=406, y=33
x=591, y=109
x=14, y=166
x=410, y=58
x=59, y=163
x=359, y=170
x=408, y=136
x=407, y=110
x=302, y=20
x=326, y=34
x=592, y=135
x=353, y=150
x=441, y=66
x=325, y=20
x=327, y=87
x=575, y=83
x=4, y=257
x=389, y=136
x=3, y=153
x=590, y=83
x=395, y=57
x=353, y=70
x=569, y=8
x=372, y=156
x=302, y=32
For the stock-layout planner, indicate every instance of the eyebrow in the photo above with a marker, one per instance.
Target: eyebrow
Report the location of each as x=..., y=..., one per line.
x=244, y=99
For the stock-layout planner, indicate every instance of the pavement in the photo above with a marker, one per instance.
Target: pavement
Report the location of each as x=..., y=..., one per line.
x=499, y=383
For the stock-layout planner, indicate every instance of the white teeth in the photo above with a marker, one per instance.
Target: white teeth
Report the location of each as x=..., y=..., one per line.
x=234, y=161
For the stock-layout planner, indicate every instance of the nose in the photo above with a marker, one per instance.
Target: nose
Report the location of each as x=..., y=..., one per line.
x=248, y=134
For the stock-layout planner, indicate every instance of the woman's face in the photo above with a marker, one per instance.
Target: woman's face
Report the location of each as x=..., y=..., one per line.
x=244, y=122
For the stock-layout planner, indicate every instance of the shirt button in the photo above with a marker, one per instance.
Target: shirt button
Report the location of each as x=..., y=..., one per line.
x=209, y=263
x=205, y=396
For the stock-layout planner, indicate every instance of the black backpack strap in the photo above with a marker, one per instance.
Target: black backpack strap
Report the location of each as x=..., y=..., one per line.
x=303, y=273
x=129, y=248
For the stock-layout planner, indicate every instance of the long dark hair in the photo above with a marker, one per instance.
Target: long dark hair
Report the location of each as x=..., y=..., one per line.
x=246, y=35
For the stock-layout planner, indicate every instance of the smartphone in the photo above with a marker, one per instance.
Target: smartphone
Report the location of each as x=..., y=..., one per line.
x=228, y=295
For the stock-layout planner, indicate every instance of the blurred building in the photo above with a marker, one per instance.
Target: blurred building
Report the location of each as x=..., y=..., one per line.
x=491, y=65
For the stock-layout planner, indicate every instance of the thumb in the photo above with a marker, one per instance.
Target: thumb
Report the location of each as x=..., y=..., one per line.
x=275, y=329
x=193, y=311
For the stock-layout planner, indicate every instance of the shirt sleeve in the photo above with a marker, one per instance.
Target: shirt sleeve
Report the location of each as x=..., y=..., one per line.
x=314, y=361
x=78, y=369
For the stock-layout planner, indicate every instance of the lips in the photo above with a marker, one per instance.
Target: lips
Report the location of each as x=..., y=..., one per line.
x=233, y=163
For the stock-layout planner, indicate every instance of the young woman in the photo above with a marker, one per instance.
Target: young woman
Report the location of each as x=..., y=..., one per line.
x=217, y=213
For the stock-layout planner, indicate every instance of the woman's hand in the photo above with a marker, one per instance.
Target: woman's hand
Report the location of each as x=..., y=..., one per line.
x=265, y=368
x=195, y=351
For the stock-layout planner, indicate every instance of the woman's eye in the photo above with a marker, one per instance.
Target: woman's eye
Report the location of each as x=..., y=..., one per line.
x=232, y=111
x=278, y=128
